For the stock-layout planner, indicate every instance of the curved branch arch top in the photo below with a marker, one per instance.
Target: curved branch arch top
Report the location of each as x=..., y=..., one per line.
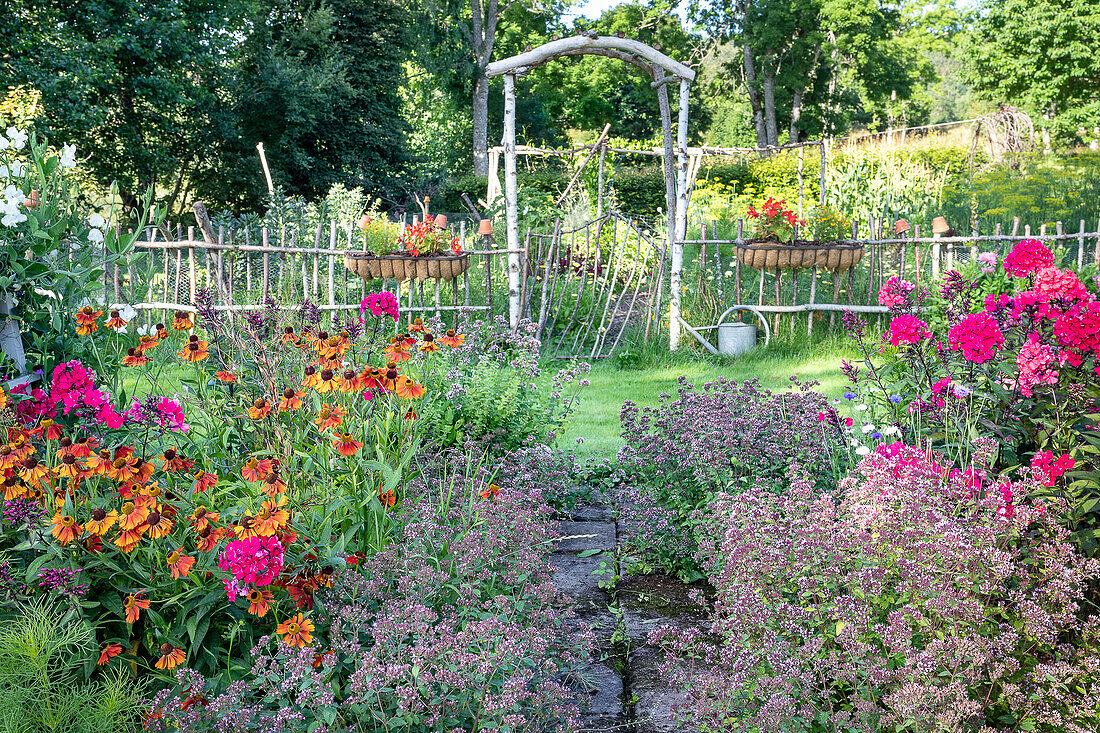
x=580, y=45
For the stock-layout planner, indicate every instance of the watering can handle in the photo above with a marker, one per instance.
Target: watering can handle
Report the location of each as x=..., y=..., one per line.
x=758, y=314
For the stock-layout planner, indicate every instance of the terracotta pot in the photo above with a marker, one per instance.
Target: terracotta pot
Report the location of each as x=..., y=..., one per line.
x=772, y=255
x=406, y=267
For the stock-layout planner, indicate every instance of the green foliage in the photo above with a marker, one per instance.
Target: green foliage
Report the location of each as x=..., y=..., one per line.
x=1042, y=57
x=44, y=657
x=640, y=191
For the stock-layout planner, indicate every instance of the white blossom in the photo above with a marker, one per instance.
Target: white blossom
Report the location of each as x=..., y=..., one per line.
x=862, y=450
x=12, y=214
x=18, y=138
x=868, y=427
x=68, y=156
x=95, y=235
x=97, y=221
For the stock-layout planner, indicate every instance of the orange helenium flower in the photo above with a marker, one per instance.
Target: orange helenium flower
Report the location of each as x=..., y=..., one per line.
x=133, y=605
x=101, y=521
x=86, y=320
x=291, y=400
x=204, y=481
x=65, y=528
x=133, y=516
x=115, y=322
x=179, y=565
x=330, y=416
x=202, y=518
x=158, y=523
x=452, y=339
x=347, y=445
x=182, y=321
x=258, y=602
x=134, y=357
x=255, y=469
x=109, y=651
x=387, y=498
x=297, y=631
x=225, y=376
x=260, y=409
x=407, y=389
x=271, y=518
x=33, y=473
x=194, y=351
x=170, y=657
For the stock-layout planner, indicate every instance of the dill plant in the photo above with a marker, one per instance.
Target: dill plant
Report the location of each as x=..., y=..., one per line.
x=44, y=660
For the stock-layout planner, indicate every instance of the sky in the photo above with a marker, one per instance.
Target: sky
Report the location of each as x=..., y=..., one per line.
x=594, y=8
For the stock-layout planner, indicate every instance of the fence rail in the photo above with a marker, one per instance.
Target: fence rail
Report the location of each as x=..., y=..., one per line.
x=917, y=258
x=242, y=276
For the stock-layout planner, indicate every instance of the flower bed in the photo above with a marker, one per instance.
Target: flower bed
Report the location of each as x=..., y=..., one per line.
x=269, y=525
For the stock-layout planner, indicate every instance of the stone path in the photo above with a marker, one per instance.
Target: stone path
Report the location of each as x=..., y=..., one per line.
x=622, y=684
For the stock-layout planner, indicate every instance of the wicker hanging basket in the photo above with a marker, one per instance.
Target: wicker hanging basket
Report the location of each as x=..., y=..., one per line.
x=406, y=267
x=799, y=254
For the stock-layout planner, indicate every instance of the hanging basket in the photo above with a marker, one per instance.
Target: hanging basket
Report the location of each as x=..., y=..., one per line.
x=799, y=254
x=406, y=267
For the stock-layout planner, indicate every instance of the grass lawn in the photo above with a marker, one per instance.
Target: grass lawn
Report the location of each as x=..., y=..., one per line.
x=597, y=416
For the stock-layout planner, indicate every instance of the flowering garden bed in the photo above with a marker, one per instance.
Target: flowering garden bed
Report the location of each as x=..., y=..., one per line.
x=265, y=520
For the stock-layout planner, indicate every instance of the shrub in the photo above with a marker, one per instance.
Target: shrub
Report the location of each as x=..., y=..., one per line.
x=726, y=437
x=640, y=191
x=1018, y=368
x=912, y=597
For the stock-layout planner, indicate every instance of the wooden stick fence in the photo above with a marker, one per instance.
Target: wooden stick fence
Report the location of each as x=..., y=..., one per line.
x=242, y=276
x=921, y=259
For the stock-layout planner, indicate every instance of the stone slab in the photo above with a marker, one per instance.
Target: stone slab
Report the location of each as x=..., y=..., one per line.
x=601, y=697
x=654, y=699
x=585, y=536
x=576, y=577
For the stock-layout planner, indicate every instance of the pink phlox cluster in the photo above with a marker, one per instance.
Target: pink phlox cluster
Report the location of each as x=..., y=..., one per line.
x=1034, y=362
x=978, y=337
x=1028, y=256
x=379, y=304
x=895, y=292
x=1047, y=469
x=906, y=329
x=988, y=261
x=73, y=385
x=253, y=560
x=1079, y=328
x=1051, y=283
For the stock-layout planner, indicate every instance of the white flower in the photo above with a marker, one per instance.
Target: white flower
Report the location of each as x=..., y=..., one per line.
x=862, y=450
x=95, y=235
x=890, y=430
x=728, y=273
x=68, y=156
x=15, y=171
x=853, y=442
x=867, y=428
x=18, y=138
x=860, y=408
x=97, y=221
x=13, y=193
x=11, y=213
x=4, y=144
x=127, y=312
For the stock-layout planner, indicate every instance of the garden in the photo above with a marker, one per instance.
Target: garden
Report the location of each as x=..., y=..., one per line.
x=238, y=496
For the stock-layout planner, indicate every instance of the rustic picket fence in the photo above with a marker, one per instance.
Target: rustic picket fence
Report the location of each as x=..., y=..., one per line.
x=582, y=309
x=919, y=259
x=244, y=269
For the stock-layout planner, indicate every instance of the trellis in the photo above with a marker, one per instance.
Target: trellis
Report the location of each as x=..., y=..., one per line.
x=655, y=64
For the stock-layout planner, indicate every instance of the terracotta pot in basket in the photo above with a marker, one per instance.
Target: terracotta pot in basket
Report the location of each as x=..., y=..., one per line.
x=772, y=255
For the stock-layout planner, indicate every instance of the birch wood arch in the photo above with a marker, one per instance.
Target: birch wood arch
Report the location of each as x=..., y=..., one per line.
x=661, y=70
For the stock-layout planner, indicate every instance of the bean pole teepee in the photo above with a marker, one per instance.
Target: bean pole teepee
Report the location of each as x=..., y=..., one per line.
x=662, y=71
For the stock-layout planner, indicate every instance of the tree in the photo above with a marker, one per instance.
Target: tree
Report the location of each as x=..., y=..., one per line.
x=135, y=81
x=1041, y=57
x=813, y=65
x=319, y=84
